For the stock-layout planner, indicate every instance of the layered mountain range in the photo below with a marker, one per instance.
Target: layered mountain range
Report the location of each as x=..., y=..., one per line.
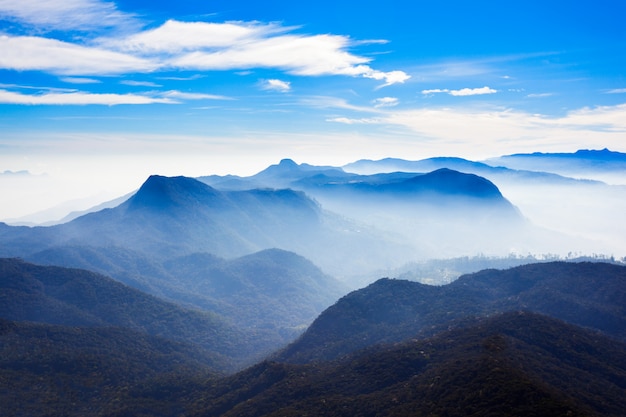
x=231, y=296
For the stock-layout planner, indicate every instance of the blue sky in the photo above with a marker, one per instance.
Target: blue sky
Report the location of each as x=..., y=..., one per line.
x=96, y=95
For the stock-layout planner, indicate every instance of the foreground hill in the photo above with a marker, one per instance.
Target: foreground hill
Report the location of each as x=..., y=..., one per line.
x=507, y=365
x=52, y=370
x=79, y=298
x=587, y=294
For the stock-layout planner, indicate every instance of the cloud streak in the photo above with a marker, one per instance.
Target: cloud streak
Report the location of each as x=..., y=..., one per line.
x=66, y=14
x=79, y=98
x=462, y=92
x=30, y=53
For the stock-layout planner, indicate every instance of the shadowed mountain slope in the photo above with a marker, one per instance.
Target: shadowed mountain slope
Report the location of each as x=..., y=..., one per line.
x=52, y=370
x=587, y=294
x=73, y=297
x=513, y=364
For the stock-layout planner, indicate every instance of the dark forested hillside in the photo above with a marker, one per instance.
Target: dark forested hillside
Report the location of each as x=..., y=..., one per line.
x=586, y=294
x=73, y=297
x=476, y=347
x=51, y=370
x=513, y=364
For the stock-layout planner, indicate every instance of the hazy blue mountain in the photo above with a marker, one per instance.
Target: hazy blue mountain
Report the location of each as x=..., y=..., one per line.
x=586, y=294
x=494, y=172
x=596, y=164
x=573, y=205
x=170, y=217
x=271, y=289
x=440, y=213
x=511, y=364
x=281, y=175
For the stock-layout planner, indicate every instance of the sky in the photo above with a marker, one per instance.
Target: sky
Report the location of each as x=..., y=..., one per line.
x=97, y=95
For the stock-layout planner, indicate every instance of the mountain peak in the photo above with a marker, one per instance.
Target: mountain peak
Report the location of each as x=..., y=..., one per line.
x=160, y=192
x=287, y=163
x=448, y=181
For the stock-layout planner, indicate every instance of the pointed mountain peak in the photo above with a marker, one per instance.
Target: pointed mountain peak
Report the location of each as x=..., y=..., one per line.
x=160, y=192
x=287, y=163
x=285, y=168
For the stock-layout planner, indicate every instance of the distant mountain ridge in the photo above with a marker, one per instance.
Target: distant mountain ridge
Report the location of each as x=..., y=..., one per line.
x=596, y=164
x=176, y=216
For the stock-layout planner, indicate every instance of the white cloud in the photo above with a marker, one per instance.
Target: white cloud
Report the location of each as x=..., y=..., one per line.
x=617, y=91
x=539, y=95
x=385, y=102
x=134, y=83
x=435, y=91
x=472, y=91
x=66, y=14
x=349, y=121
x=174, y=94
x=461, y=92
x=36, y=53
x=174, y=36
x=80, y=80
x=277, y=85
x=243, y=45
x=79, y=98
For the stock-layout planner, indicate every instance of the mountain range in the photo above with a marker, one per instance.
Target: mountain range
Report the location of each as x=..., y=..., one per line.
x=169, y=217
x=230, y=296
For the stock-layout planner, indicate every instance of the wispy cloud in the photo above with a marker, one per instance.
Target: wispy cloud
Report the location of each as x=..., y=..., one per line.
x=66, y=14
x=134, y=83
x=276, y=85
x=499, y=128
x=24, y=53
x=80, y=80
x=539, y=95
x=349, y=121
x=181, y=95
x=617, y=91
x=462, y=92
x=385, y=102
x=79, y=98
